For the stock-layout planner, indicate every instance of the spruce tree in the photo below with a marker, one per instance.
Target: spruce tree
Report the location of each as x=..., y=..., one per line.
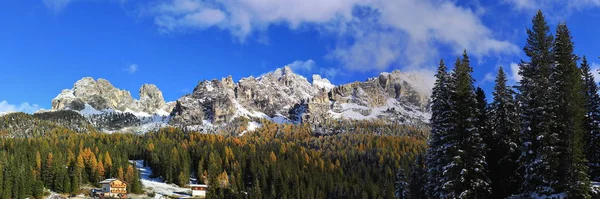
x=417, y=180
x=482, y=117
x=440, y=127
x=592, y=120
x=569, y=111
x=466, y=175
x=504, y=138
x=533, y=99
x=402, y=184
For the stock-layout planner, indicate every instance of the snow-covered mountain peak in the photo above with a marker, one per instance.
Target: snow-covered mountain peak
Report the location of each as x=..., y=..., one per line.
x=281, y=96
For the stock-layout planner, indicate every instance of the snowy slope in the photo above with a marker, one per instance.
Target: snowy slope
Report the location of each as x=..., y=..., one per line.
x=155, y=185
x=393, y=108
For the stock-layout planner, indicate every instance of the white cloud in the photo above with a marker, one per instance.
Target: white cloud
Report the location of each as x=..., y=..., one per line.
x=514, y=73
x=524, y=4
x=302, y=66
x=329, y=73
x=555, y=9
x=371, y=35
x=595, y=70
x=489, y=77
x=132, y=68
x=5, y=107
x=202, y=19
x=309, y=67
x=56, y=5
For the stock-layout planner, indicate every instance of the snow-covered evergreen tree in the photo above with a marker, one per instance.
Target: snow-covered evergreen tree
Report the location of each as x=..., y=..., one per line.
x=417, y=179
x=504, y=150
x=565, y=144
x=533, y=99
x=483, y=117
x=402, y=184
x=592, y=120
x=410, y=184
x=466, y=175
x=440, y=127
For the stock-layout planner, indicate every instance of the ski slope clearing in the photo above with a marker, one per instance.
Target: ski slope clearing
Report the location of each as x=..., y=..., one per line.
x=156, y=185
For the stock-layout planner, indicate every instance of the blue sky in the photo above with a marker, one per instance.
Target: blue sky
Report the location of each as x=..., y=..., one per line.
x=47, y=45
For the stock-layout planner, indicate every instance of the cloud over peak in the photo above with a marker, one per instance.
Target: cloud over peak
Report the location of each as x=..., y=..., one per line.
x=367, y=35
x=372, y=35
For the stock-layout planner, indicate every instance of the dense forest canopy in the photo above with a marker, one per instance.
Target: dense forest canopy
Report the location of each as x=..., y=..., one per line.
x=276, y=161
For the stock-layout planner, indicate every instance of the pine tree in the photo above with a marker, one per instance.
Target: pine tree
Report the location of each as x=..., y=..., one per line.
x=569, y=111
x=465, y=175
x=482, y=112
x=533, y=100
x=417, y=180
x=75, y=177
x=256, y=190
x=504, y=138
x=108, y=165
x=440, y=127
x=402, y=184
x=136, y=185
x=592, y=120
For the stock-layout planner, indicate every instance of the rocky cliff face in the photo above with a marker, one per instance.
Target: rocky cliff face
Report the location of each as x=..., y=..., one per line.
x=281, y=96
x=284, y=96
x=101, y=95
x=111, y=109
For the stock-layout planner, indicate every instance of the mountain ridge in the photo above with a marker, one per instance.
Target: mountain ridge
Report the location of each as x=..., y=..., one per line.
x=281, y=96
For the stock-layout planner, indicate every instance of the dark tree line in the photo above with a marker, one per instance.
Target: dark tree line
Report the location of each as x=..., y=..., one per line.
x=541, y=141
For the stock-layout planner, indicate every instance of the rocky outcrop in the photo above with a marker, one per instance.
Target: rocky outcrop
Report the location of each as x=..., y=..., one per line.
x=210, y=101
x=272, y=95
x=151, y=98
x=282, y=95
x=101, y=95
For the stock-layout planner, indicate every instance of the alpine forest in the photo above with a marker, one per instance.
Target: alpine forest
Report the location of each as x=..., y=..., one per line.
x=281, y=135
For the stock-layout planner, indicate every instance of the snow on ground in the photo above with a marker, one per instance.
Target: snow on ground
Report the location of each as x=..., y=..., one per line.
x=209, y=86
x=54, y=195
x=162, y=112
x=596, y=187
x=156, y=185
x=242, y=111
x=252, y=126
x=89, y=110
x=353, y=111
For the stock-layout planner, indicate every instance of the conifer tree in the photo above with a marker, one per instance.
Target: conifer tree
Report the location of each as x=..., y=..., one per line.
x=504, y=138
x=566, y=141
x=592, y=120
x=440, y=127
x=417, y=180
x=482, y=111
x=256, y=190
x=136, y=185
x=465, y=175
x=402, y=184
x=533, y=99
